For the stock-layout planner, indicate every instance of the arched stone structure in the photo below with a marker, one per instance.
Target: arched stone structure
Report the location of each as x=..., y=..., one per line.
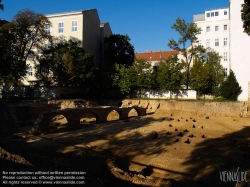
x=74, y=115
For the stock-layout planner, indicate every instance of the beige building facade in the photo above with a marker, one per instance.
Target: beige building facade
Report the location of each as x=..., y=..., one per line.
x=81, y=25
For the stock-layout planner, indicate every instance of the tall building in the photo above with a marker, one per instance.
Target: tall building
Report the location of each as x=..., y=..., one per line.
x=222, y=31
x=239, y=49
x=215, y=26
x=82, y=25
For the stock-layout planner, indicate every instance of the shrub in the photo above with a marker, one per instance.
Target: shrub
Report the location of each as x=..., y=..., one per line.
x=230, y=88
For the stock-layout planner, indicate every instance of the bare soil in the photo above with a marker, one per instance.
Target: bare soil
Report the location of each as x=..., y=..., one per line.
x=168, y=148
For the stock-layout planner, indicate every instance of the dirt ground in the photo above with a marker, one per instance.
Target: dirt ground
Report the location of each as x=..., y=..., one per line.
x=169, y=148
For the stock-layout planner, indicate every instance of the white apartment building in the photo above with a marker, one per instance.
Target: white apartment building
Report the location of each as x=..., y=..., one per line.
x=222, y=31
x=83, y=25
x=215, y=26
x=239, y=49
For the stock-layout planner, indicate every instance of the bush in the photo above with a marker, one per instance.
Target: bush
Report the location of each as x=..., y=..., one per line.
x=230, y=88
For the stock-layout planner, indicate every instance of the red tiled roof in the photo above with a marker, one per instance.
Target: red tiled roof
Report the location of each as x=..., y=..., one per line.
x=156, y=56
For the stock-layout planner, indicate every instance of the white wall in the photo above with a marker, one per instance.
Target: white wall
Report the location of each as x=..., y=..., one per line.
x=239, y=48
x=168, y=94
x=204, y=36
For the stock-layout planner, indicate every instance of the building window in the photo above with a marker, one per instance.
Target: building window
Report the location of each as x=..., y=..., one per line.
x=216, y=13
x=208, y=43
x=225, y=72
x=208, y=29
x=225, y=41
x=212, y=14
x=225, y=27
x=60, y=27
x=216, y=28
x=216, y=42
x=208, y=14
x=200, y=42
x=31, y=56
x=225, y=12
x=47, y=28
x=30, y=71
x=47, y=46
x=74, y=26
x=225, y=56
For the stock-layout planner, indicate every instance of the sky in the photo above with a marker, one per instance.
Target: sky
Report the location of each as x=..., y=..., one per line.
x=147, y=22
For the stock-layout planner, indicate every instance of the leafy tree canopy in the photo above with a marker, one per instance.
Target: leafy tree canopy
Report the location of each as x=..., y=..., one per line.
x=17, y=41
x=169, y=75
x=65, y=63
x=199, y=77
x=118, y=50
x=216, y=72
x=188, y=37
x=230, y=88
x=245, y=16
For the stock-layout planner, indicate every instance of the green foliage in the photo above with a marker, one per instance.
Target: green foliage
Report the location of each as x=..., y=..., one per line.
x=137, y=76
x=118, y=50
x=216, y=72
x=17, y=41
x=122, y=78
x=245, y=16
x=66, y=64
x=188, y=33
x=169, y=75
x=141, y=74
x=207, y=76
x=199, y=78
x=230, y=88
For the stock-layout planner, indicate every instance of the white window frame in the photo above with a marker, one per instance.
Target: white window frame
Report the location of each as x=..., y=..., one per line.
x=225, y=12
x=47, y=45
x=74, y=28
x=60, y=27
x=208, y=43
x=208, y=28
x=47, y=28
x=225, y=27
x=30, y=71
x=216, y=42
x=216, y=28
x=225, y=56
x=225, y=72
x=31, y=56
x=212, y=14
x=216, y=13
x=225, y=41
x=208, y=14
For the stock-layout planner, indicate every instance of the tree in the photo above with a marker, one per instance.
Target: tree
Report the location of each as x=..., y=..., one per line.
x=122, y=78
x=230, y=88
x=207, y=75
x=66, y=63
x=119, y=50
x=169, y=75
x=18, y=39
x=216, y=72
x=245, y=16
x=188, y=33
x=200, y=78
x=141, y=75
x=1, y=5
